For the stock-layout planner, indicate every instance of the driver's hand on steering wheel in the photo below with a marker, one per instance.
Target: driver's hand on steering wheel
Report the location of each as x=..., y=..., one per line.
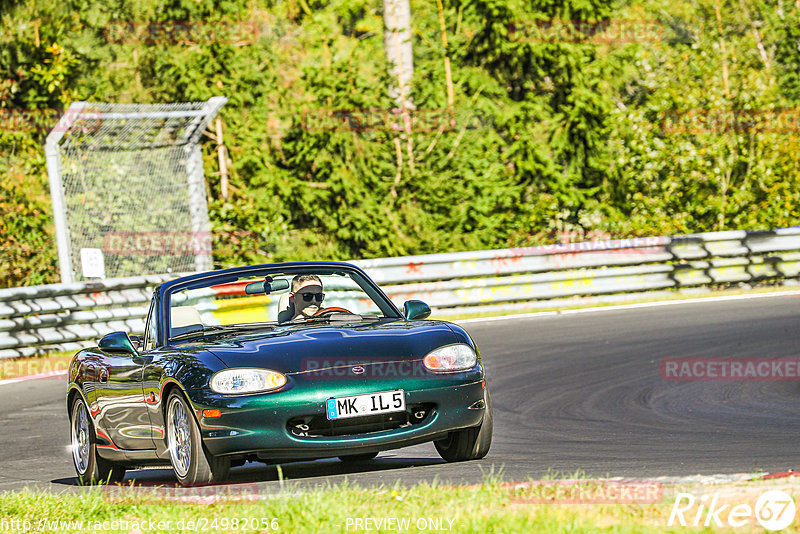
x=333, y=309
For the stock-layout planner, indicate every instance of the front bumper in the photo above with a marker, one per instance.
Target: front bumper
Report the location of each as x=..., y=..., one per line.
x=257, y=424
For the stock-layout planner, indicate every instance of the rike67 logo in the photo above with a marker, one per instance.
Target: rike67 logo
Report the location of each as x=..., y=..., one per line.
x=774, y=510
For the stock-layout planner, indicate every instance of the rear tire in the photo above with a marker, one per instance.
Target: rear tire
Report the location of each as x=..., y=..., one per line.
x=192, y=463
x=469, y=443
x=90, y=467
x=350, y=458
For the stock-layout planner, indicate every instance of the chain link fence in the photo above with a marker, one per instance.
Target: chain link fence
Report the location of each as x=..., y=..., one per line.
x=128, y=189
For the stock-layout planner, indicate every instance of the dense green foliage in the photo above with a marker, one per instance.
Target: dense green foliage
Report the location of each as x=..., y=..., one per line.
x=572, y=132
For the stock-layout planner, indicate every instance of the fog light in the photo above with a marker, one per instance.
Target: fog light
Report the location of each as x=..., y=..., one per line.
x=300, y=429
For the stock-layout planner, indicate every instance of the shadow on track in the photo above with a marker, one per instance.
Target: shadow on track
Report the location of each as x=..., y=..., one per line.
x=258, y=472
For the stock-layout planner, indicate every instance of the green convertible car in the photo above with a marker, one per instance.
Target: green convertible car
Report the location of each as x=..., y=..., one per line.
x=274, y=363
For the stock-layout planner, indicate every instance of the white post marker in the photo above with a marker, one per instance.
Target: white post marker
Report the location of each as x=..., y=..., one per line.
x=92, y=263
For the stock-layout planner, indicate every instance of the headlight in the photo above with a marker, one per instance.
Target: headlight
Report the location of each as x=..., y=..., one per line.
x=451, y=358
x=238, y=381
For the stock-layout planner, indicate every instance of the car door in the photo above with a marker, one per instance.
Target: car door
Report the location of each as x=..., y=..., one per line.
x=120, y=397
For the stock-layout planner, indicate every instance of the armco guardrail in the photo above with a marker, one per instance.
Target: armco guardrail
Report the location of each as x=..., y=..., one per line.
x=69, y=316
x=72, y=316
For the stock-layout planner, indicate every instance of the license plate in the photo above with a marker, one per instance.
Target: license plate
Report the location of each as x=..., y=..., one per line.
x=369, y=404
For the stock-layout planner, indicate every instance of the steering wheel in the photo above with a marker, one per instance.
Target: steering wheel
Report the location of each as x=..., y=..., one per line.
x=327, y=311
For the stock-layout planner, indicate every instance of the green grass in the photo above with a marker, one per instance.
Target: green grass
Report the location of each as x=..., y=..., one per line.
x=488, y=507
x=485, y=508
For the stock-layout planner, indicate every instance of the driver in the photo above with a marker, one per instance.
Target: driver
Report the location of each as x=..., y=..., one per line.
x=306, y=295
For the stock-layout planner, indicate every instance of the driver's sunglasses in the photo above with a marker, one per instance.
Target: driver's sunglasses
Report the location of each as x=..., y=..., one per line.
x=308, y=297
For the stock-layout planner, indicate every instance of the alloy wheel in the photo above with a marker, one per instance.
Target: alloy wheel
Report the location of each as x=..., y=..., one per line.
x=80, y=439
x=180, y=441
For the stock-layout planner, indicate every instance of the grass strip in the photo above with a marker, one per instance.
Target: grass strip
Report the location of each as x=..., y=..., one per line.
x=491, y=507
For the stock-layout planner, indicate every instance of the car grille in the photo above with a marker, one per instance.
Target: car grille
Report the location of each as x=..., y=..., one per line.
x=318, y=425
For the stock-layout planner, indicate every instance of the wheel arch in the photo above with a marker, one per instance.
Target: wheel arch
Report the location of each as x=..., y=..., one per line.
x=72, y=393
x=166, y=390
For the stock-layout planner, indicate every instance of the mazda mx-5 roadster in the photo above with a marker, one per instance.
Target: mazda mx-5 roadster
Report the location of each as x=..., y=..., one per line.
x=274, y=363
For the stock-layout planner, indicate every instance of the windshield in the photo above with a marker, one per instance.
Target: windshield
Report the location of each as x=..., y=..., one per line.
x=301, y=296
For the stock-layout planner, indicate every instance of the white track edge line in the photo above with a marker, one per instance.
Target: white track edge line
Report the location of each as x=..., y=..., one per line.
x=33, y=377
x=529, y=316
x=696, y=300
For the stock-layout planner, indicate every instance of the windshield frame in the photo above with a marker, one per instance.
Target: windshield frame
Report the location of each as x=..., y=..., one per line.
x=384, y=303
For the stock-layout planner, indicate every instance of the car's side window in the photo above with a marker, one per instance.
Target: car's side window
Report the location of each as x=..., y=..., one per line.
x=150, y=328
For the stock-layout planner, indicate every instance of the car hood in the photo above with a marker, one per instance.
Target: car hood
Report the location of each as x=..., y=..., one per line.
x=300, y=348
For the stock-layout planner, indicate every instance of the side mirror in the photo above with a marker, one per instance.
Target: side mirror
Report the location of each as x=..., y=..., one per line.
x=118, y=342
x=137, y=342
x=415, y=309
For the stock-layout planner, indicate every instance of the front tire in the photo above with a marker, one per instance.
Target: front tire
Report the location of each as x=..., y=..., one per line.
x=192, y=464
x=90, y=467
x=469, y=443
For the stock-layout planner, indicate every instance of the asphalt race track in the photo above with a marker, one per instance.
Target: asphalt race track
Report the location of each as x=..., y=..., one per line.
x=571, y=392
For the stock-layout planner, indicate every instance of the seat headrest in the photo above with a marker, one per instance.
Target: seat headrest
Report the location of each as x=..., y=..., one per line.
x=181, y=316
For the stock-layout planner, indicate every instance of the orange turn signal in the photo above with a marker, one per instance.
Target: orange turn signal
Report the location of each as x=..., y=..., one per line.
x=431, y=361
x=213, y=412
